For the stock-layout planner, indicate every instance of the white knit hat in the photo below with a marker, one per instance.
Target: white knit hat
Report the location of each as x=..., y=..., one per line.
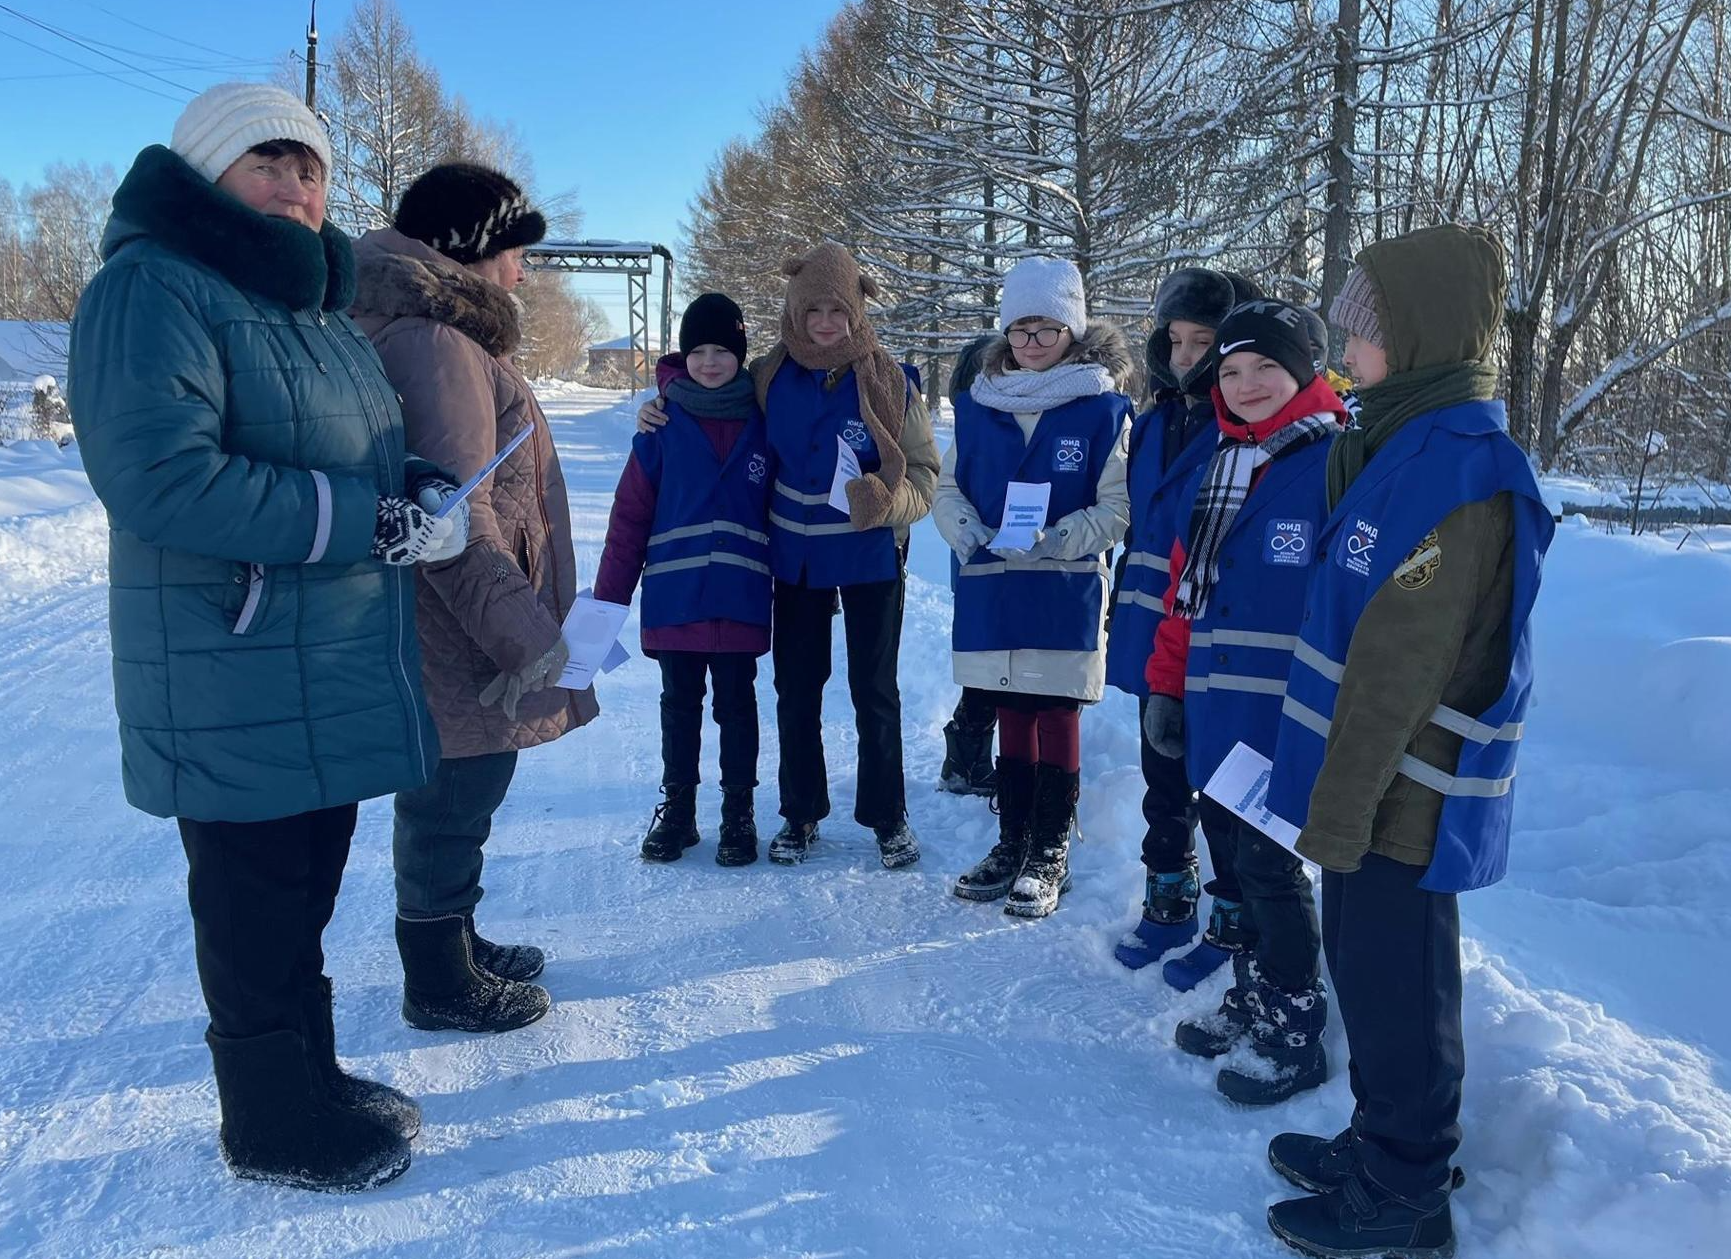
x=1050, y=288
x=222, y=123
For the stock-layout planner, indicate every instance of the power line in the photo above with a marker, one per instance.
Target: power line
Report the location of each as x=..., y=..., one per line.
x=105, y=73
x=179, y=39
x=73, y=39
x=210, y=67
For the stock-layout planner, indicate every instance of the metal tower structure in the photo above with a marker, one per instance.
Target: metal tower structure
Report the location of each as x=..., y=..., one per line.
x=635, y=261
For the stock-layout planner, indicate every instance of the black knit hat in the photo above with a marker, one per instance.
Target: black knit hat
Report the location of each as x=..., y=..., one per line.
x=1272, y=329
x=713, y=319
x=468, y=213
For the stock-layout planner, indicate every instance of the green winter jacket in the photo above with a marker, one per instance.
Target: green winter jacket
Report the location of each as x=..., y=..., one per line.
x=240, y=430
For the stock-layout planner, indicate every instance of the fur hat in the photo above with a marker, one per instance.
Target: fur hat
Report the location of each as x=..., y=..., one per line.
x=1196, y=295
x=713, y=319
x=222, y=122
x=1273, y=329
x=468, y=213
x=1049, y=288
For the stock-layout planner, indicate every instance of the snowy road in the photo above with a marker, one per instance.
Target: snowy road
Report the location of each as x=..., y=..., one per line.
x=835, y=1060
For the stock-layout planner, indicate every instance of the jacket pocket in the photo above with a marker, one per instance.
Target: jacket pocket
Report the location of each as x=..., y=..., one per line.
x=523, y=555
x=257, y=578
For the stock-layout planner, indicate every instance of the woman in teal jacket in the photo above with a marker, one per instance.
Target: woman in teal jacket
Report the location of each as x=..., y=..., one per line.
x=262, y=512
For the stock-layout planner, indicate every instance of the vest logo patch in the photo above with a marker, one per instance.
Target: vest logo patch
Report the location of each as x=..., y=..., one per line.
x=855, y=435
x=1357, y=546
x=1420, y=567
x=757, y=469
x=1071, y=454
x=1287, y=543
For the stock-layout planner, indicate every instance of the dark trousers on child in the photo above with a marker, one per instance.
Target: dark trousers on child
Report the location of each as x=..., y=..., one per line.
x=1278, y=909
x=261, y=895
x=734, y=675
x=1394, y=955
x=872, y=623
x=1171, y=809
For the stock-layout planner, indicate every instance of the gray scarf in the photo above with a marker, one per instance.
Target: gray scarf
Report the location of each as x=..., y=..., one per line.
x=1041, y=391
x=736, y=400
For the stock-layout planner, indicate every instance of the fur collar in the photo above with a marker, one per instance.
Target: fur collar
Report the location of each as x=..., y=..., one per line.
x=1103, y=343
x=397, y=278
x=164, y=199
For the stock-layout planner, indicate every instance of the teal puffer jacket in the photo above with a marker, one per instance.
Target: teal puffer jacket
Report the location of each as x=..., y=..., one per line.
x=240, y=431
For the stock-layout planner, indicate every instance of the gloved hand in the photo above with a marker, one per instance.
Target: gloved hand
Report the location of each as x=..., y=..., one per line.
x=404, y=532
x=971, y=535
x=429, y=497
x=1163, y=725
x=508, y=688
x=1048, y=543
x=651, y=415
x=1005, y=553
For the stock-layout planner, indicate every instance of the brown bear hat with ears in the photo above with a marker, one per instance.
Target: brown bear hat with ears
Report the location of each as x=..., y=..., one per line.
x=829, y=271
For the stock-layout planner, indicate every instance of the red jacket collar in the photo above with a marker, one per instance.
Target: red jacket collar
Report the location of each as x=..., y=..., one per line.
x=1315, y=398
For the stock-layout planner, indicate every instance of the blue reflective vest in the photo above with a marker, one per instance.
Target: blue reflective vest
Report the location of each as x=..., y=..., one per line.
x=1158, y=513
x=1437, y=463
x=810, y=541
x=1045, y=604
x=1241, y=646
x=708, y=555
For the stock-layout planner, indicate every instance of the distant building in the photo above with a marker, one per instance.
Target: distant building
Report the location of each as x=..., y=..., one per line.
x=615, y=358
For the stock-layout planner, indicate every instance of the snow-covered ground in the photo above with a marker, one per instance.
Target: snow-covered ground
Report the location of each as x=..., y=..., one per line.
x=835, y=1060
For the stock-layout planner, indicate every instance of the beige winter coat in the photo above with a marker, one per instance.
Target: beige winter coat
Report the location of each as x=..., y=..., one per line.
x=446, y=336
x=1092, y=531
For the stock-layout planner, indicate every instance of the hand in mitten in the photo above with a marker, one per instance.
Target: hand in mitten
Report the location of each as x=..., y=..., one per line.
x=971, y=535
x=868, y=501
x=430, y=486
x=1009, y=553
x=403, y=532
x=1163, y=725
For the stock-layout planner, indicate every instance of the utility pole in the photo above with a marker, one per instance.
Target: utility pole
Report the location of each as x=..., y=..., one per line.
x=313, y=57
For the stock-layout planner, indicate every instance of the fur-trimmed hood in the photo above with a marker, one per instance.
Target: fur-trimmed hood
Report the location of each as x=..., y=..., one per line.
x=398, y=277
x=1103, y=343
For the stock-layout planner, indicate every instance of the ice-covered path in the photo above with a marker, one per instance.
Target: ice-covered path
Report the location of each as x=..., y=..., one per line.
x=835, y=1060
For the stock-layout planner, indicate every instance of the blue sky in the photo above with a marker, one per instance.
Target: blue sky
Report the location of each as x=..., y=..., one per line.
x=624, y=101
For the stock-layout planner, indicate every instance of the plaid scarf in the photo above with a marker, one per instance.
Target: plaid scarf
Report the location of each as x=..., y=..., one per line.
x=1224, y=489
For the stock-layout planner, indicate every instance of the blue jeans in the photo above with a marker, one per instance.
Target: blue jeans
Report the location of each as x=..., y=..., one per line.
x=440, y=828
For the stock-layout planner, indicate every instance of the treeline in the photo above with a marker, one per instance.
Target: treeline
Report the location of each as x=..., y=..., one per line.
x=942, y=141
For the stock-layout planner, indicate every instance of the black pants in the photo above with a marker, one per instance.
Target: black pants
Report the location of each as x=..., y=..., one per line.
x=1171, y=809
x=439, y=831
x=872, y=622
x=735, y=708
x=1275, y=891
x=262, y=894
x=1394, y=954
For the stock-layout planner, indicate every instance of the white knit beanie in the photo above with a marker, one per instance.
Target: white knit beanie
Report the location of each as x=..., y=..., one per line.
x=222, y=123
x=1049, y=288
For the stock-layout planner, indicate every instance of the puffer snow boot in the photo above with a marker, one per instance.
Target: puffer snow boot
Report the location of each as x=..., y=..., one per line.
x=1226, y=935
x=379, y=1102
x=993, y=875
x=280, y=1126
x=444, y=991
x=508, y=961
x=1046, y=873
x=1286, y=1039
x=673, y=829
x=738, y=846
x=1210, y=1035
x=1168, y=918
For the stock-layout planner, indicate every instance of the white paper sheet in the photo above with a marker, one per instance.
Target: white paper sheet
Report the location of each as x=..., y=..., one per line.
x=474, y=483
x=591, y=635
x=846, y=469
x=1025, y=504
x=1241, y=785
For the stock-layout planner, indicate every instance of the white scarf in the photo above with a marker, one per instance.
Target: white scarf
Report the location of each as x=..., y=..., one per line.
x=1041, y=391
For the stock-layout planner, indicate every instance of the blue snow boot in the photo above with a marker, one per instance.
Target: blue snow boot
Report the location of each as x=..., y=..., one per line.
x=1168, y=918
x=1225, y=936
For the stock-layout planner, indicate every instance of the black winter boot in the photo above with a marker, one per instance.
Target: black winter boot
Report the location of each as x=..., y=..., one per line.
x=507, y=961
x=967, y=767
x=673, y=829
x=1014, y=805
x=1286, y=1037
x=1314, y=1164
x=443, y=990
x=898, y=846
x=792, y=842
x=379, y=1102
x=1362, y=1218
x=738, y=846
x=1046, y=873
x=279, y=1126
x=1210, y=1035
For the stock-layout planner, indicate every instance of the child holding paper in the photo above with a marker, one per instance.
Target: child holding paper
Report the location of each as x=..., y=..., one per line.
x=691, y=519
x=1218, y=671
x=1045, y=426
